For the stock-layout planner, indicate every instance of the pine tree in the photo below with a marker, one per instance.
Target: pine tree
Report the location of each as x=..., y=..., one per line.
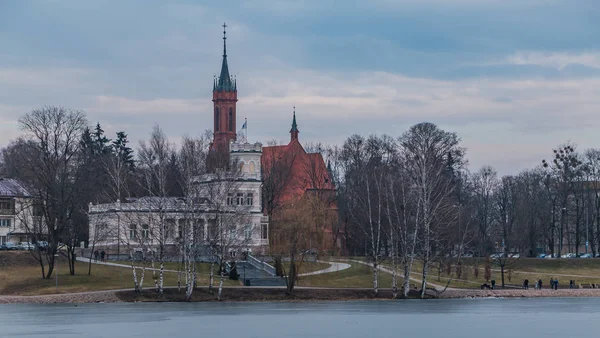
x=122, y=150
x=100, y=141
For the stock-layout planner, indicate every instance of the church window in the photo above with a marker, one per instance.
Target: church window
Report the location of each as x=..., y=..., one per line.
x=230, y=119
x=217, y=119
x=250, y=199
x=242, y=167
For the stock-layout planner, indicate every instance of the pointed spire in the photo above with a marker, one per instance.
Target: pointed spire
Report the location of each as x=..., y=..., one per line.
x=225, y=83
x=294, y=131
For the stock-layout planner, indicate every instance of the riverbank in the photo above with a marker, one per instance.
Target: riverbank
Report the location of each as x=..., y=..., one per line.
x=278, y=295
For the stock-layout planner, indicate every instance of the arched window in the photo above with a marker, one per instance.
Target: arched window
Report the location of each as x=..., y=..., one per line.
x=252, y=167
x=230, y=119
x=217, y=119
x=242, y=165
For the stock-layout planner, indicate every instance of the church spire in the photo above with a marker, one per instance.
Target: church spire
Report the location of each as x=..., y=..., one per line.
x=294, y=131
x=225, y=83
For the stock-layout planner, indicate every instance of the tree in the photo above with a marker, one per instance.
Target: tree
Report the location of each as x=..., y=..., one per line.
x=562, y=172
x=485, y=184
x=155, y=158
x=51, y=170
x=426, y=150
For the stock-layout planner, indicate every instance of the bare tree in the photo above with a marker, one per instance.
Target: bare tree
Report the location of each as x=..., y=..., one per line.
x=51, y=171
x=426, y=150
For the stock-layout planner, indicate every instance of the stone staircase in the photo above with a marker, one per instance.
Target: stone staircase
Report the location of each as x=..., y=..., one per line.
x=257, y=273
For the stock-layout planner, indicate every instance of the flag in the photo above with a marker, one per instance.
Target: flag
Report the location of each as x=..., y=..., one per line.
x=245, y=125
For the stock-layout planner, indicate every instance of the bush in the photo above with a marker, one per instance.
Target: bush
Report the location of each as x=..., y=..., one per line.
x=233, y=275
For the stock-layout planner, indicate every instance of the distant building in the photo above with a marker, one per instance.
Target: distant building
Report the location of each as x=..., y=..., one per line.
x=223, y=204
x=16, y=212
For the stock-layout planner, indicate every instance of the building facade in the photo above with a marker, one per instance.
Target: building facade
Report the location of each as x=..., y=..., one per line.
x=17, y=219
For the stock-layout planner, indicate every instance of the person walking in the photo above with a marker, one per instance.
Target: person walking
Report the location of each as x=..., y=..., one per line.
x=551, y=283
x=96, y=255
x=555, y=284
x=526, y=284
x=102, y=253
x=540, y=281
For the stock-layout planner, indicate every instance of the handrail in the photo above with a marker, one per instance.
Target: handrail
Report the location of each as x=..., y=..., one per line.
x=262, y=265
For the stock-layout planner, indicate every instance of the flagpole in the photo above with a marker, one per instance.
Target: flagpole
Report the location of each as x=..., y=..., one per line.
x=246, y=124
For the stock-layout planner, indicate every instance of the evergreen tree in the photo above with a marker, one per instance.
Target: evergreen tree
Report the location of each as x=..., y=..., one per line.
x=100, y=141
x=122, y=150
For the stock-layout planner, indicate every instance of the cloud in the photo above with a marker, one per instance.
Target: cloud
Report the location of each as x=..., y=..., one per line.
x=557, y=60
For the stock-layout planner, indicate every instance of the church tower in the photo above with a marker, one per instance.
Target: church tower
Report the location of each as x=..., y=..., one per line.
x=294, y=131
x=224, y=99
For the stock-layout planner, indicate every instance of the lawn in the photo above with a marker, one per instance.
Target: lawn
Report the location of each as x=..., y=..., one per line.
x=24, y=278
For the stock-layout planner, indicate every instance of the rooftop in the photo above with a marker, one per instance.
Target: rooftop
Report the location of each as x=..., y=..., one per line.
x=10, y=187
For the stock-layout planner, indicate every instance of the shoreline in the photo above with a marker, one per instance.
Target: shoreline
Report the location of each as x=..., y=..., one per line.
x=278, y=295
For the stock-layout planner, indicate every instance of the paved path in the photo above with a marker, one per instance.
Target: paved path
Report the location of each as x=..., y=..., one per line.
x=87, y=260
x=334, y=267
x=384, y=269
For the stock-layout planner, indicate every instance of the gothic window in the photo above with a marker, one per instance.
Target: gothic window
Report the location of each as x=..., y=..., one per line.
x=249, y=199
x=230, y=119
x=132, y=231
x=217, y=119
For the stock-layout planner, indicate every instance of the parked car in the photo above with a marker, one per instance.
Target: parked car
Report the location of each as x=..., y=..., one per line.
x=10, y=246
x=541, y=256
x=514, y=255
x=2, y=247
x=42, y=245
x=569, y=255
x=587, y=255
x=26, y=246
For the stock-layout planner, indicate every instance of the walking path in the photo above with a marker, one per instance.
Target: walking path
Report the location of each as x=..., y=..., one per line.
x=437, y=287
x=334, y=267
x=87, y=260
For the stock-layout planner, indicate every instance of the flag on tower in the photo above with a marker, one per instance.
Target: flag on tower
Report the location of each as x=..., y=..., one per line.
x=245, y=125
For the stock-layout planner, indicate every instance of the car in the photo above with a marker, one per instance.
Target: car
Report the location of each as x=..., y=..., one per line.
x=541, y=256
x=42, y=245
x=26, y=246
x=10, y=246
x=2, y=247
x=514, y=255
x=587, y=255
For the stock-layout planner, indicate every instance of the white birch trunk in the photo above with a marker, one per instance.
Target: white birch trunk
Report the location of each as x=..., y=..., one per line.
x=135, y=280
x=161, y=278
x=220, y=287
x=142, y=278
x=212, y=276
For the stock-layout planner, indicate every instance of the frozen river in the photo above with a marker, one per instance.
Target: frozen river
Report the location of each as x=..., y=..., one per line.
x=481, y=318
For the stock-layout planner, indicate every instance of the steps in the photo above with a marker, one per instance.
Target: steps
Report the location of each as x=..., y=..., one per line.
x=252, y=276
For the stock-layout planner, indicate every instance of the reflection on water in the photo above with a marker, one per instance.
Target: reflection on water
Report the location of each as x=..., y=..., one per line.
x=488, y=318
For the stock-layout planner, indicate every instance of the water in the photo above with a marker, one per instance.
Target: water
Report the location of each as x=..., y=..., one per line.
x=481, y=318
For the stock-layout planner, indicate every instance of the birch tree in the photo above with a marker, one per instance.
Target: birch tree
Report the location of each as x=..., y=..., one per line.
x=426, y=150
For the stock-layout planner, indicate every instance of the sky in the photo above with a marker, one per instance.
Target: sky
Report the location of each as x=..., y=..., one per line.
x=514, y=79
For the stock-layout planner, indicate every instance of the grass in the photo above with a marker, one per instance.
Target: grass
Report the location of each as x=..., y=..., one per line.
x=25, y=278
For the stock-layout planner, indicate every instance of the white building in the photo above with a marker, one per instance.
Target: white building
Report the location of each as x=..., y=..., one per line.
x=225, y=207
x=16, y=212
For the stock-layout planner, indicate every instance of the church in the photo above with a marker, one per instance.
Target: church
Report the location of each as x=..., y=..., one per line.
x=234, y=202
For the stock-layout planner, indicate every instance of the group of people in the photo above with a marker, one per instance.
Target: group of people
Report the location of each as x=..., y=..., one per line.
x=539, y=284
x=102, y=255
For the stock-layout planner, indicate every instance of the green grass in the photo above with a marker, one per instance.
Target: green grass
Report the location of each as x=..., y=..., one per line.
x=25, y=278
